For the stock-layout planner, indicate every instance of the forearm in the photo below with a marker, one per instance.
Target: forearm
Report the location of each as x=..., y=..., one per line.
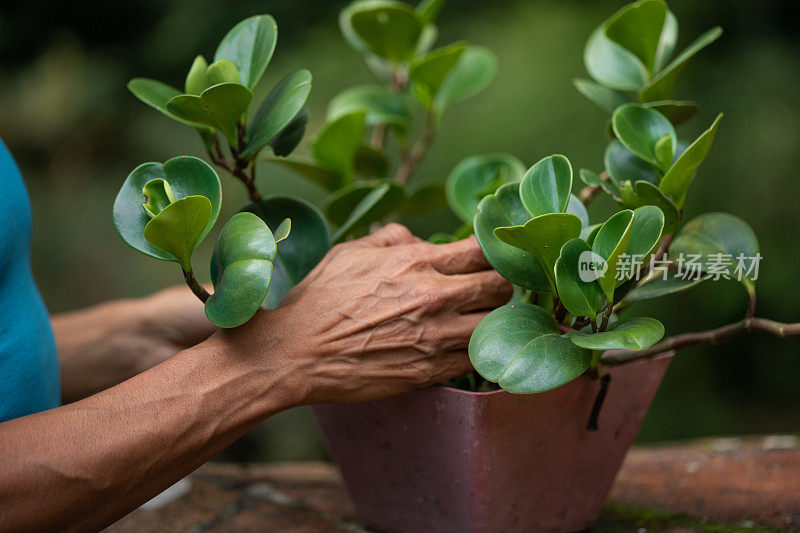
x=86, y=464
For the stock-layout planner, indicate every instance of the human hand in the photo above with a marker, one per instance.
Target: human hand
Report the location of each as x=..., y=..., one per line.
x=378, y=316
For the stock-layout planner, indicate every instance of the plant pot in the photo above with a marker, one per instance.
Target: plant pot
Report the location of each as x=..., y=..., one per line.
x=442, y=459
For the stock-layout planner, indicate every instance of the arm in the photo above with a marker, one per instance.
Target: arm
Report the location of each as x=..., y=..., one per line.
x=377, y=317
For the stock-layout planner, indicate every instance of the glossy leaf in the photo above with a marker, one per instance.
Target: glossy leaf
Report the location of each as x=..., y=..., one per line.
x=504, y=208
x=156, y=95
x=612, y=65
x=676, y=112
x=646, y=232
x=342, y=202
x=337, y=143
x=623, y=165
x=249, y=45
x=389, y=29
x=222, y=71
x=712, y=234
x=278, y=109
x=283, y=230
x=477, y=176
x=645, y=193
x=518, y=346
x=608, y=99
x=425, y=198
x=589, y=178
x=677, y=180
x=657, y=286
x=474, y=71
x=187, y=176
x=576, y=207
x=429, y=72
x=628, y=334
x=220, y=106
x=637, y=28
x=639, y=129
x=374, y=207
x=542, y=237
x=178, y=228
x=370, y=162
x=546, y=186
x=158, y=195
x=610, y=242
x=428, y=10
x=661, y=86
x=580, y=297
x=285, y=142
x=196, y=79
x=666, y=42
x=379, y=104
x=305, y=246
x=241, y=270
x=323, y=177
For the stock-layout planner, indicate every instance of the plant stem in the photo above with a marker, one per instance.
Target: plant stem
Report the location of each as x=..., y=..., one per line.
x=712, y=336
x=588, y=193
x=193, y=284
x=598, y=402
x=606, y=316
x=240, y=168
x=411, y=160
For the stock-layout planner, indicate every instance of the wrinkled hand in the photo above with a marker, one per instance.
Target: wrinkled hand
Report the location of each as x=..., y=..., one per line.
x=378, y=316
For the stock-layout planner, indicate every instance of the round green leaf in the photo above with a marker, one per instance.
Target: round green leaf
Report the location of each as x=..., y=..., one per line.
x=156, y=95
x=658, y=285
x=640, y=128
x=590, y=178
x=222, y=71
x=546, y=186
x=646, y=231
x=389, y=29
x=676, y=112
x=477, y=176
x=637, y=28
x=543, y=237
x=677, y=180
x=429, y=72
x=576, y=207
x=608, y=99
x=623, y=165
x=474, y=71
x=196, y=79
x=342, y=202
x=220, y=106
x=158, y=195
x=545, y=363
x=305, y=246
x=667, y=41
x=645, y=193
x=610, y=242
x=249, y=45
x=374, y=207
x=629, y=334
x=580, y=297
x=336, y=145
x=278, y=109
x=370, y=162
x=289, y=137
x=428, y=10
x=178, y=228
x=186, y=176
x=380, y=104
x=612, y=65
x=504, y=208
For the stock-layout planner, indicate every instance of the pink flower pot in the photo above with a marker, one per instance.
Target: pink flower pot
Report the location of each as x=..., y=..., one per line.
x=441, y=459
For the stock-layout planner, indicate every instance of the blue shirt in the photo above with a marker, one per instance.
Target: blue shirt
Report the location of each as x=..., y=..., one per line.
x=29, y=380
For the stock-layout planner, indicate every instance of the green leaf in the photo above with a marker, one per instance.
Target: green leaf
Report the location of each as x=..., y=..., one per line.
x=305, y=246
x=676, y=112
x=278, y=109
x=637, y=28
x=661, y=86
x=374, y=207
x=283, y=230
x=337, y=143
x=380, y=104
x=657, y=286
x=646, y=232
x=389, y=29
x=370, y=162
x=610, y=242
x=581, y=298
x=623, y=165
x=639, y=129
x=645, y=193
x=588, y=233
x=187, y=176
x=518, y=346
x=473, y=72
x=608, y=99
x=222, y=71
x=220, y=106
x=589, y=178
x=504, y=208
x=425, y=198
x=179, y=227
x=712, y=234
x=677, y=180
x=156, y=95
x=665, y=151
x=428, y=10
x=667, y=41
x=547, y=185
x=477, y=176
x=628, y=334
x=323, y=177
x=429, y=72
x=241, y=269
x=158, y=195
x=196, y=79
x=285, y=142
x=576, y=207
x=342, y=202
x=612, y=65
x=249, y=45
x=542, y=237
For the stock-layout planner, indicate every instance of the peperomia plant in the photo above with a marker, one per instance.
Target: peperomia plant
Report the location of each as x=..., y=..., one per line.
x=574, y=279
x=165, y=211
x=352, y=153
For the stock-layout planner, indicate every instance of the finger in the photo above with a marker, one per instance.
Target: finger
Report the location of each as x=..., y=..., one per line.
x=449, y=365
x=456, y=331
x=458, y=257
x=389, y=235
x=480, y=290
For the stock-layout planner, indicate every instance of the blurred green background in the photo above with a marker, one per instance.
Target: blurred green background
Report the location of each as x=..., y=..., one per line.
x=76, y=131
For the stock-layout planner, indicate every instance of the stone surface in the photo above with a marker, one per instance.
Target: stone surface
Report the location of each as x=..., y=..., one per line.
x=743, y=483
